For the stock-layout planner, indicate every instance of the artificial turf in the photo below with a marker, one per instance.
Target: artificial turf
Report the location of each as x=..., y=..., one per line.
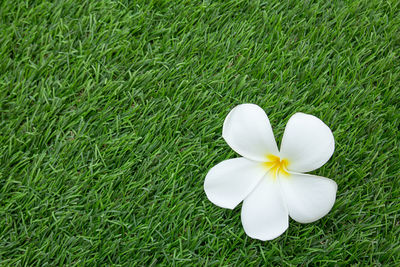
x=111, y=116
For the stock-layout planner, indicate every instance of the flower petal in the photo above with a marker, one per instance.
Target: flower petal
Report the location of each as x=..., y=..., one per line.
x=308, y=197
x=264, y=213
x=230, y=181
x=248, y=132
x=307, y=143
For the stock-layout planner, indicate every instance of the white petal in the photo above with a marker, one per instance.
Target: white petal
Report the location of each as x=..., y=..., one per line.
x=247, y=131
x=230, y=181
x=264, y=213
x=308, y=197
x=307, y=143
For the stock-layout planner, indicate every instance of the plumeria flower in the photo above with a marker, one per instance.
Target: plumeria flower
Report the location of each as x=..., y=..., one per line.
x=271, y=182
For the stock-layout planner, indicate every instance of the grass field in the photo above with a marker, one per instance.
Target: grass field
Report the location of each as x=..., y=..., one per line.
x=112, y=111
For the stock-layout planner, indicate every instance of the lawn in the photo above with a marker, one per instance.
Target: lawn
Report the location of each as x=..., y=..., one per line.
x=112, y=112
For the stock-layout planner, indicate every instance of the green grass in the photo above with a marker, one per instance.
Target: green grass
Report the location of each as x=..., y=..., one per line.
x=112, y=111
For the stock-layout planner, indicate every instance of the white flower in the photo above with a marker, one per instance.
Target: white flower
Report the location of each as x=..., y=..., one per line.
x=270, y=182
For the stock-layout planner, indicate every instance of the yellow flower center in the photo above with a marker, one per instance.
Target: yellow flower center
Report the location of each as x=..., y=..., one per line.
x=276, y=165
